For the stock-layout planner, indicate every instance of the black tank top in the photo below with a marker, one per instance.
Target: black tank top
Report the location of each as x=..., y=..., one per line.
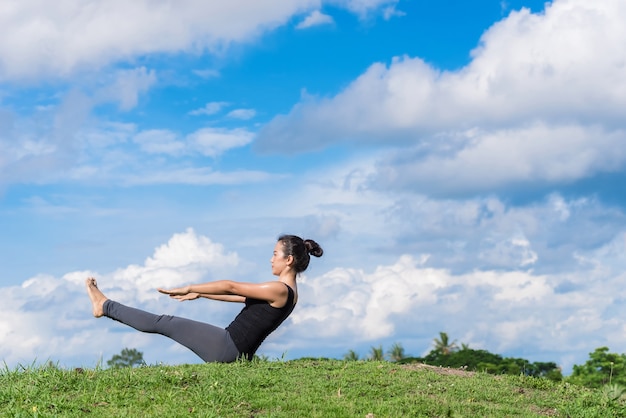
x=256, y=321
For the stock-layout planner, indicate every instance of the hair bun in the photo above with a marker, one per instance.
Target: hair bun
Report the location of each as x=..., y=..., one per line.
x=313, y=248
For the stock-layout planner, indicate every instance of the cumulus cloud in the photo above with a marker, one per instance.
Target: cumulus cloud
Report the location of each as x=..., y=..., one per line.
x=41, y=39
x=156, y=141
x=391, y=11
x=186, y=257
x=37, y=37
x=365, y=7
x=64, y=142
x=213, y=141
x=49, y=318
x=481, y=161
x=117, y=152
x=73, y=42
x=206, y=141
x=528, y=100
x=46, y=139
x=559, y=316
x=127, y=87
x=41, y=144
x=476, y=232
x=316, y=18
x=117, y=163
x=196, y=176
x=541, y=278
x=495, y=310
x=210, y=108
x=243, y=114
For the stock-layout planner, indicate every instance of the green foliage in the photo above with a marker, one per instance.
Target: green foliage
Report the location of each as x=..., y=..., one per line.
x=396, y=353
x=613, y=392
x=443, y=344
x=447, y=354
x=602, y=368
x=377, y=353
x=484, y=361
x=351, y=356
x=300, y=388
x=129, y=357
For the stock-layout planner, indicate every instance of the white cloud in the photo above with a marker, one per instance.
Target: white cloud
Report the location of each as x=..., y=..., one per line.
x=391, y=11
x=210, y=108
x=39, y=38
x=243, y=114
x=214, y=141
x=485, y=232
x=515, y=251
x=186, y=258
x=481, y=161
x=558, y=316
x=364, y=7
x=200, y=176
x=64, y=142
x=316, y=18
x=127, y=87
x=42, y=143
x=210, y=142
x=42, y=39
x=122, y=166
x=105, y=153
x=157, y=141
x=458, y=265
x=528, y=107
x=207, y=73
x=506, y=311
x=49, y=318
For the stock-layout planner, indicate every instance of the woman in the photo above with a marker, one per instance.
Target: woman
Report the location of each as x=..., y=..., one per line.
x=267, y=305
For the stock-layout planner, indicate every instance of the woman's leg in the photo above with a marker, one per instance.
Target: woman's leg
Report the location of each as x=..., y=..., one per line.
x=209, y=342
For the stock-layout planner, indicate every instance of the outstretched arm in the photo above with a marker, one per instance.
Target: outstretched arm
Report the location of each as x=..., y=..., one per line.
x=230, y=291
x=225, y=298
x=193, y=296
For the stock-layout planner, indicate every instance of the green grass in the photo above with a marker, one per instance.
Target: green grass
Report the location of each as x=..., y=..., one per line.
x=300, y=388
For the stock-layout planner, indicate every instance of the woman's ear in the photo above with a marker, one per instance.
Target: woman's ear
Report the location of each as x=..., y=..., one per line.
x=289, y=260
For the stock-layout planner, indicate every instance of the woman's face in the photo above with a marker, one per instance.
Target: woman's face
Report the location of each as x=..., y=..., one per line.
x=279, y=261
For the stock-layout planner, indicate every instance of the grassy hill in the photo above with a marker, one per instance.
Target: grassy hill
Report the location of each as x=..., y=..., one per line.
x=300, y=388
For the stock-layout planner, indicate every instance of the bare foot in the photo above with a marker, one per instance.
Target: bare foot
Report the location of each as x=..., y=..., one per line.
x=96, y=296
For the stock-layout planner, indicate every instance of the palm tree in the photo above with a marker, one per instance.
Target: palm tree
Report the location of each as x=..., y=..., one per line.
x=443, y=344
x=396, y=353
x=376, y=354
x=351, y=356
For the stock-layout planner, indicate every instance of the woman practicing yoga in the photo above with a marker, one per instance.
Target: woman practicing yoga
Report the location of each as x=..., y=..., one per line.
x=267, y=305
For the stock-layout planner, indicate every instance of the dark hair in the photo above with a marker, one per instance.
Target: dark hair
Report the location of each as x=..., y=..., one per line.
x=300, y=250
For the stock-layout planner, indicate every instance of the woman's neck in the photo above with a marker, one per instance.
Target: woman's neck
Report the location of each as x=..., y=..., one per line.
x=289, y=278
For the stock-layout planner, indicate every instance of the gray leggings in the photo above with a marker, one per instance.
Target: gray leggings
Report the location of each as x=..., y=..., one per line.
x=210, y=343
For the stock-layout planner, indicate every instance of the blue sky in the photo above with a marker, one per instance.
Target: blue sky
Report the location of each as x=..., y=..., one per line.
x=462, y=165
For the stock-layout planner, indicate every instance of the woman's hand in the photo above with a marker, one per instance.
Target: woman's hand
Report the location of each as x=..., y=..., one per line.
x=179, y=291
x=188, y=296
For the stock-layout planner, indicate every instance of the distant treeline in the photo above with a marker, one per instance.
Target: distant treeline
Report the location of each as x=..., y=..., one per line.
x=603, y=368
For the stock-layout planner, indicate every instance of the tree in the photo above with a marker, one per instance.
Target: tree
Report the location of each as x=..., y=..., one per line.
x=479, y=360
x=443, y=344
x=602, y=368
x=396, y=353
x=376, y=353
x=129, y=357
x=484, y=361
x=351, y=356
